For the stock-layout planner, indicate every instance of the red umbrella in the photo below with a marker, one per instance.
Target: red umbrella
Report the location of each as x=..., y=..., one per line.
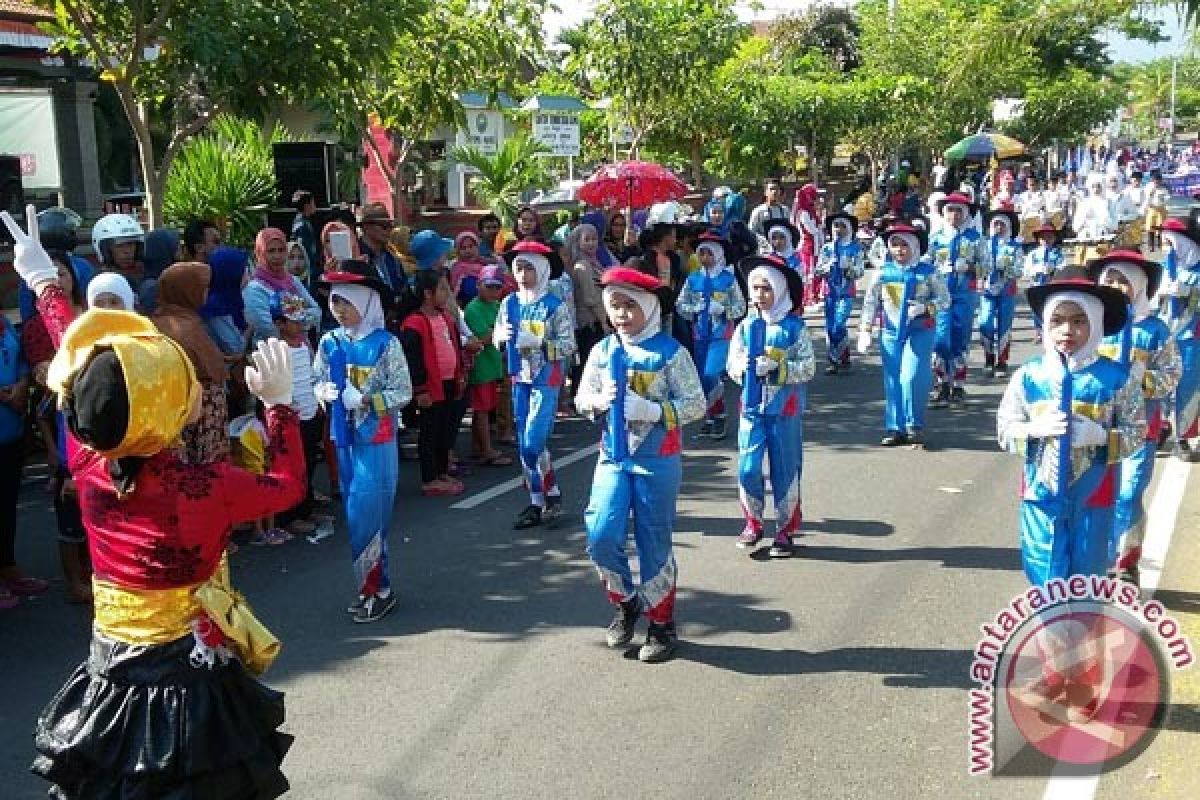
x=636, y=184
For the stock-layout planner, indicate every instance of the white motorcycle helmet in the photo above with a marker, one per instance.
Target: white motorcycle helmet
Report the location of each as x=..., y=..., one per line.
x=116, y=229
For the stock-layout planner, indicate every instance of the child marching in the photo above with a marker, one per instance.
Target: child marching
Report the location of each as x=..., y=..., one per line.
x=782, y=237
x=712, y=301
x=1146, y=348
x=1046, y=259
x=955, y=252
x=535, y=333
x=1000, y=266
x=646, y=386
x=362, y=378
x=772, y=357
x=905, y=296
x=1182, y=307
x=841, y=263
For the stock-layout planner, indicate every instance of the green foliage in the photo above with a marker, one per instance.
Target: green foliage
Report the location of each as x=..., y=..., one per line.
x=827, y=30
x=517, y=166
x=1066, y=107
x=223, y=175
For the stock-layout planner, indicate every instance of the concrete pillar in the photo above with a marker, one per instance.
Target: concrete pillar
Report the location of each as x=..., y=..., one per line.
x=74, y=107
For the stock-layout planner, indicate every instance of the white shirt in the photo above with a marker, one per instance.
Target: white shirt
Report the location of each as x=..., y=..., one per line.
x=304, y=399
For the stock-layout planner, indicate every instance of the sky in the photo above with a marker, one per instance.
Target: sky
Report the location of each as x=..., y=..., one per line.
x=574, y=11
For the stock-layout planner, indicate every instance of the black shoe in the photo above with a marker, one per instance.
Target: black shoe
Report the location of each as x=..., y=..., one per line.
x=989, y=362
x=1184, y=452
x=958, y=395
x=1130, y=574
x=989, y=372
x=894, y=439
x=661, y=642
x=529, y=518
x=552, y=511
x=832, y=369
x=782, y=547
x=375, y=608
x=916, y=440
x=620, y=630
x=357, y=605
x=1002, y=369
x=942, y=398
x=718, y=429
x=706, y=429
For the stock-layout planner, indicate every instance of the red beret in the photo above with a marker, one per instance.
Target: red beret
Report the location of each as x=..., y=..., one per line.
x=531, y=246
x=1175, y=224
x=617, y=276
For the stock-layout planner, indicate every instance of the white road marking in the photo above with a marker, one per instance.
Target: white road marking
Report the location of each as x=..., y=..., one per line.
x=506, y=487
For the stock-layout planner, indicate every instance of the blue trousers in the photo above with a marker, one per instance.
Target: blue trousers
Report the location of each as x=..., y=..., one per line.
x=712, y=371
x=953, y=339
x=907, y=378
x=995, y=324
x=1129, y=515
x=1187, y=392
x=368, y=474
x=837, y=316
x=778, y=439
x=648, y=489
x=1067, y=536
x=533, y=409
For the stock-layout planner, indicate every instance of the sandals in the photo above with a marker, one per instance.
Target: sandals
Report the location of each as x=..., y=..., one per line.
x=451, y=488
x=272, y=538
x=496, y=460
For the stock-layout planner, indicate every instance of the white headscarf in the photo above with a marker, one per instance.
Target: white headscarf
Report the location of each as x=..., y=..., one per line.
x=651, y=308
x=1094, y=309
x=783, y=300
x=932, y=203
x=541, y=265
x=1008, y=232
x=110, y=283
x=1187, y=252
x=914, y=246
x=718, y=254
x=366, y=301
x=789, y=248
x=841, y=224
x=1139, y=281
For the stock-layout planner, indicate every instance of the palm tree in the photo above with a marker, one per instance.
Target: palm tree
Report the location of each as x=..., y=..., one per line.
x=501, y=178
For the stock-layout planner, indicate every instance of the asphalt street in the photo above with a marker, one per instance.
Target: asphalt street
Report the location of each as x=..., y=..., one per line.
x=842, y=673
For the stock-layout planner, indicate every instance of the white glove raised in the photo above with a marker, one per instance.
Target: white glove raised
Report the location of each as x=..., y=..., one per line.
x=528, y=341
x=270, y=379
x=1047, y=425
x=352, y=398
x=639, y=409
x=864, y=342
x=916, y=308
x=326, y=392
x=30, y=259
x=764, y=366
x=1086, y=432
x=715, y=309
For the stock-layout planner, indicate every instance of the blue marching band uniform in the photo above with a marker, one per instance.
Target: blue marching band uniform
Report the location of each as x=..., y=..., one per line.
x=1182, y=311
x=712, y=301
x=955, y=254
x=841, y=262
x=1000, y=266
x=772, y=357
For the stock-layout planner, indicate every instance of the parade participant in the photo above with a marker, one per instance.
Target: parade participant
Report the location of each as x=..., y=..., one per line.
x=805, y=218
x=1123, y=212
x=955, y=251
x=166, y=705
x=877, y=253
x=363, y=382
x=1146, y=348
x=1181, y=291
x=932, y=212
x=646, y=386
x=1031, y=203
x=1155, y=210
x=1073, y=415
x=840, y=264
x=908, y=292
x=535, y=333
x=1093, y=215
x=782, y=237
x=1000, y=265
x=712, y=301
x=1044, y=260
x=771, y=357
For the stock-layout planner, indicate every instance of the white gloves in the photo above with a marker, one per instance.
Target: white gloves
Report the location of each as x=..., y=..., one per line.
x=916, y=308
x=715, y=309
x=864, y=341
x=270, y=379
x=1173, y=289
x=30, y=259
x=326, y=392
x=764, y=366
x=500, y=335
x=1047, y=425
x=1086, y=432
x=528, y=341
x=639, y=409
x=352, y=398
x=599, y=401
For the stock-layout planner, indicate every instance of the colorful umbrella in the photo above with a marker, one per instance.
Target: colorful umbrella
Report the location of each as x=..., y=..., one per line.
x=984, y=146
x=635, y=184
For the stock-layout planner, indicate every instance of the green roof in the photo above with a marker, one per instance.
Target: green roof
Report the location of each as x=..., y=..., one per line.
x=554, y=102
x=480, y=100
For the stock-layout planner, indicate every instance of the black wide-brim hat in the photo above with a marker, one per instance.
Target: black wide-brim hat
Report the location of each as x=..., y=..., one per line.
x=1014, y=222
x=795, y=282
x=1116, y=305
x=849, y=218
x=1047, y=228
x=355, y=272
x=1153, y=269
x=726, y=246
x=1189, y=227
x=771, y=224
x=921, y=233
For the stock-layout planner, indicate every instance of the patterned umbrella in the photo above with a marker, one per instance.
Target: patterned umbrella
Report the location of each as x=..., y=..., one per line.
x=636, y=184
x=984, y=146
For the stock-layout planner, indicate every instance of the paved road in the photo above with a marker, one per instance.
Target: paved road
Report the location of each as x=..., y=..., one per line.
x=839, y=674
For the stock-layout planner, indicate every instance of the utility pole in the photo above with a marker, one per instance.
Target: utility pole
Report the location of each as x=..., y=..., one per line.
x=1174, y=77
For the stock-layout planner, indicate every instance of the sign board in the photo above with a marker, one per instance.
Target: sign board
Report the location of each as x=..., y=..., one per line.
x=623, y=134
x=1006, y=109
x=559, y=133
x=28, y=131
x=484, y=131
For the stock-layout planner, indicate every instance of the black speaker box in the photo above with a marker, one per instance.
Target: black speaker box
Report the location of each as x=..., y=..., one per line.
x=306, y=165
x=12, y=192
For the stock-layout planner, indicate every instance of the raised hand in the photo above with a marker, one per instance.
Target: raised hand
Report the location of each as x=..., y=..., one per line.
x=30, y=259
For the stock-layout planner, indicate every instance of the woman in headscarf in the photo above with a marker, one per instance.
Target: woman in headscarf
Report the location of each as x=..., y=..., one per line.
x=595, y=218
x=583, y=256
x=182, y=290
x=271, y=279
x=161, y=251
x=805, y=216
x=166, y=705
x=111, y=291
x=298, y=264
x=645, y=384
x=223, y=309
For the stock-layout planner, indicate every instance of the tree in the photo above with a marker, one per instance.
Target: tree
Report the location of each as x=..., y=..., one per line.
x=830, y=30
x=1066, y=108
x=501, y=178
x=174, y=65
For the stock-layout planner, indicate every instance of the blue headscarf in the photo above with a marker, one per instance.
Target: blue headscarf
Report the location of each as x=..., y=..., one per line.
x=735, y=208
x=228, y=265
x=596, y=220
x=721, y=230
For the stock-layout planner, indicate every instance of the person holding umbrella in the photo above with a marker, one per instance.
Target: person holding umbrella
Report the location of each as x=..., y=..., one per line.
x=1000, y=264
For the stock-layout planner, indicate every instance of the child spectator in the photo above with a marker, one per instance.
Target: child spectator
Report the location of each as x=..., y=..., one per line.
x=464, y=273
x=487, y=371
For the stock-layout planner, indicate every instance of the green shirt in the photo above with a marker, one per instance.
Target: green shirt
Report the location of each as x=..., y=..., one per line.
x=480, y=317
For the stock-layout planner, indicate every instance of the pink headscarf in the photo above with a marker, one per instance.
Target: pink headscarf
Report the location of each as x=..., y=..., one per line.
x=280, y=283
x=806, y=199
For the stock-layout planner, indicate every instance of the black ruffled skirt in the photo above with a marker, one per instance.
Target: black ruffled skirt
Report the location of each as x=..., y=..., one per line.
x=137, y=722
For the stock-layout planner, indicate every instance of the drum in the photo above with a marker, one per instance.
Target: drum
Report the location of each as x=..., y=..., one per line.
x=1129, y=233
x=1028, y=226
x=1080, y=251
x=1058, y=218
